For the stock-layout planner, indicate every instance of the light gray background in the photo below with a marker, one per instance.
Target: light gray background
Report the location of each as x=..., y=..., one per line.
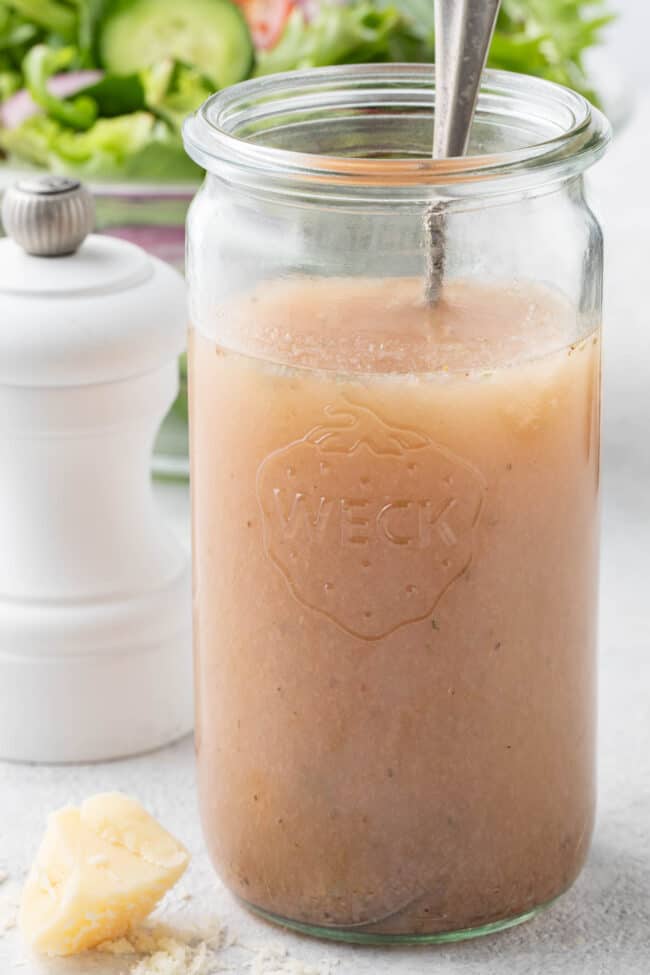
x=627, y=39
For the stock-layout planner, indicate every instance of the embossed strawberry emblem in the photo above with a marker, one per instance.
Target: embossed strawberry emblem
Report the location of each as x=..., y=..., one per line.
x=369, y=522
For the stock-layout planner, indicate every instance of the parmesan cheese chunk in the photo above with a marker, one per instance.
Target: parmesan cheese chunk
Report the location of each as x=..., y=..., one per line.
x=100, y=869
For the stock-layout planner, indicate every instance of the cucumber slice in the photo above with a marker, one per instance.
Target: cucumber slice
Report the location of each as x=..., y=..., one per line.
x=212, y=35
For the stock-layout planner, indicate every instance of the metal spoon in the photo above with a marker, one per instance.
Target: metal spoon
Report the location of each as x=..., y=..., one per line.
x=464, y=30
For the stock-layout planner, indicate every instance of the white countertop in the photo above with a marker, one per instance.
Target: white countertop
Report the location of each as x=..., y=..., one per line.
x=602, y=927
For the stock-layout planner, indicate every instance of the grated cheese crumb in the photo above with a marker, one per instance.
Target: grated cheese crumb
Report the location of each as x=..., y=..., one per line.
x=164, y=950
x=8, y=913
x=274, y=960
x=174, y=958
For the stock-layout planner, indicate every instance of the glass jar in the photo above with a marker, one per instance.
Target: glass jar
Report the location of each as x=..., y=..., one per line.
x=395, y=500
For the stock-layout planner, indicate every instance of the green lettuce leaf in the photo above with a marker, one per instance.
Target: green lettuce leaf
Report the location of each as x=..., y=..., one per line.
x=49, y=15
x=9, y=83
x=90, y=14
x=116, y=95
x=339, y=34
x=174, y=90
x=39, y=65
x=136, y=146
x=548, y=38
x=16, y=36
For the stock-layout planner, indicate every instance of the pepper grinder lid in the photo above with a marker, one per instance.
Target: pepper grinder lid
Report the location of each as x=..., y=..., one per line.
x=48, y=216
x=78, y=307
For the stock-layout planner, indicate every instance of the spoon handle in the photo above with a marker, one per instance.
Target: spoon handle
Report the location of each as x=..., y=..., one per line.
x=463, y=30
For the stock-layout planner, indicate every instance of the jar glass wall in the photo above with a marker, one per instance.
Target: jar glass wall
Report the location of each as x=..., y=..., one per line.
x=394, y=500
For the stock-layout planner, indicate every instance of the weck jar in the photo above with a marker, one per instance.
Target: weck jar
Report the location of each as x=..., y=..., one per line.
x=395, y=500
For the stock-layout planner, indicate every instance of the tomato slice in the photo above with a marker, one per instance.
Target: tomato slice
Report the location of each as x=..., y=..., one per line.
x=266, y=19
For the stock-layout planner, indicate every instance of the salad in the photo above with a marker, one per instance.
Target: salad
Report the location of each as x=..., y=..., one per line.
x=100, y=88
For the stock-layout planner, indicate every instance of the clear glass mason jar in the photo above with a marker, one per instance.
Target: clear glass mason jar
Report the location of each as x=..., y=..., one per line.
x=395, y=506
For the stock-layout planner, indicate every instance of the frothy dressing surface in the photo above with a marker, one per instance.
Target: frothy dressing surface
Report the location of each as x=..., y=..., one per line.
x=383, y=326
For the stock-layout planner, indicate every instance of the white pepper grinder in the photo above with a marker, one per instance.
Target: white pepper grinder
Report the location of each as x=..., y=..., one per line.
x=95, y=594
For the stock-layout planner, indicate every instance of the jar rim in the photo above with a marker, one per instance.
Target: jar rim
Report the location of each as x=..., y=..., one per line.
x=576, y=132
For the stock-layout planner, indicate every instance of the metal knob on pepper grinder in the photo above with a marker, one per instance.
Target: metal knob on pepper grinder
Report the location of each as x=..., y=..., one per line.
x=48, y=216
x=95, y=595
